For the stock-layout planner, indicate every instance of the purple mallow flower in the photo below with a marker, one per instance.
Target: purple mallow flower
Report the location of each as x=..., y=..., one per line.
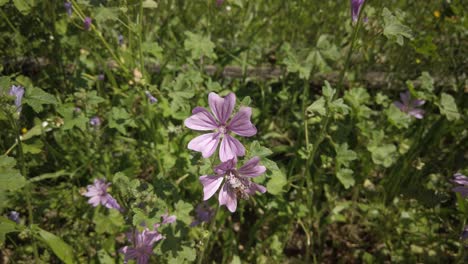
x=462, y=180
x=18, y=92
x=68, y=7
x=204, y=213
x=151, y=98
x=14, y=216
x=237, y=182
x=409, y=106
x=142, y=245
x=356, y=6
x=95, y=121
x=120, y=39
x=87, y=23
x=143, y=242
x=98, y=195
x=239, y=124
x=464, y=234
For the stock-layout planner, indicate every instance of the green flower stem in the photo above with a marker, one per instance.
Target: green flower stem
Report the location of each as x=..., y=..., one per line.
x=323, y=129
x=325, y=122
x=80, y=13
x=27, y=190
x=140, y=50
x=207, y=242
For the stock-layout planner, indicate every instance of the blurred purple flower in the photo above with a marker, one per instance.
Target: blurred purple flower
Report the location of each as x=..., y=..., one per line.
x=101, y=77
x=239, y=124
x=142, y=248
x=410, y=106
x=462, y=180
x=219, y=3
x=98, y=195
x=18, y=92
x=120, y=39
x=151, y=98
x=68, y=7
x=356, y=6
x=237, y=182
x=464, y=234
x=143, y=242
x=95, y=121
x=204, y=213
x=168, y=219
x=14, y=216
x=87, y=23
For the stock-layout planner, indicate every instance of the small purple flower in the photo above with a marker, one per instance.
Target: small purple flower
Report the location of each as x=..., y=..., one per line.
x=98, y=195
x=14, y=216
x=167, y=219
x=18, y=92
x=204, y=213
x=237, y=182
x=151, y=98
x=219, y=3
x=101, y=77
x=239, y=124
x=462, y=180
x=410, y=106
x=464, y=234
x=143, y=242
x=356, y=6
x=95, y=121
x=142, y=248
x=68, y=7
x=87, y=23
x=120, y=39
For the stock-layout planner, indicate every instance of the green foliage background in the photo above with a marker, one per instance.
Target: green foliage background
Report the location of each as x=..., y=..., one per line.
x=351, y=178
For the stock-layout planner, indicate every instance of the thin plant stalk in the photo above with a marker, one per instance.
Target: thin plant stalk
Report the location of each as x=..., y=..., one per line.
x=207, y=242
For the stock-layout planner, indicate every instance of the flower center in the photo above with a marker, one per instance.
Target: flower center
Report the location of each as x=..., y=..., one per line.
x=239, y=184
x=222, y=129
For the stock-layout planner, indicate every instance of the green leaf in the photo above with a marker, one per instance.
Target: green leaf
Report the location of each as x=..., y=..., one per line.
x=394, y=29
x=345, y=176
x=36, y=98
x=153, y=49
x=48, y=176
x=199, y=46
x=182, y=212
x=397, y=117
x=3, y=2
x=119, y=119
x=10, y=178
x=328, y=91
x=34, y=131
x=61, y=249
x=23, y=6
x=185, y=255
x=6, y=226
x=277, y=180
x=108, y=223
x=71, y=118
x=104, y=257
x=448, y=107
x=384, y=155
x=104, y=14
x=343, y=155
x=150, y=4
x=317, y=107
x=34, y=147
x=427, y=82
x=339, y=106
x=256, y=149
